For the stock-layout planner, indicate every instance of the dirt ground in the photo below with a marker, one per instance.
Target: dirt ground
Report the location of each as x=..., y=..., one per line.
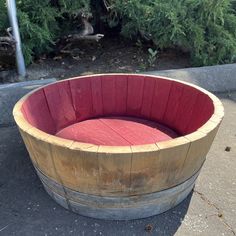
x=111, y=54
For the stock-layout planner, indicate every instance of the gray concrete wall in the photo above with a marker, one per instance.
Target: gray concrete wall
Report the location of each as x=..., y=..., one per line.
x=213, y=78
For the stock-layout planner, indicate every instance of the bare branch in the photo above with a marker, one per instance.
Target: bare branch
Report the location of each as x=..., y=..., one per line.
x=7, y=40
x=78, y=37
x=107, y=5
x=88, y=28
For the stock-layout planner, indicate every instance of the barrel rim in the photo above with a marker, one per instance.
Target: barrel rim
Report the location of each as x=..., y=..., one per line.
x=209, y=126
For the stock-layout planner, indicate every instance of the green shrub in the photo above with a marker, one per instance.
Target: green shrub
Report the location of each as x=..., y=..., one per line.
x=205, y=28
x=3, y=17
x=40, y=22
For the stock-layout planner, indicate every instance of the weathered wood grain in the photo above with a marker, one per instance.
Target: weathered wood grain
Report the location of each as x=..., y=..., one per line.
x=77, y=167
x=114, y=170
x=143, y=168
x=171, y=159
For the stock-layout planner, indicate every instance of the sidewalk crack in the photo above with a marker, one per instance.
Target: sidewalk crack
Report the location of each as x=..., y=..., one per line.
x=219, y=212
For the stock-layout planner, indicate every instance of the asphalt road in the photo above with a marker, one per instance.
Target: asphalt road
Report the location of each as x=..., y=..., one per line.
x=26, y=209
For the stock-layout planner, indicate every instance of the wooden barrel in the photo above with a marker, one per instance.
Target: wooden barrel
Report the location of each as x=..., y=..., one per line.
x=118, y=146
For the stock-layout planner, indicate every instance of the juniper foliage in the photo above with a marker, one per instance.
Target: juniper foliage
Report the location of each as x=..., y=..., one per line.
x=41, y=22
x=204, y=28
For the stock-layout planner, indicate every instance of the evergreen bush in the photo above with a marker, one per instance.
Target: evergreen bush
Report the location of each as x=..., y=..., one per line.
x=204, y=28
x=41, y=22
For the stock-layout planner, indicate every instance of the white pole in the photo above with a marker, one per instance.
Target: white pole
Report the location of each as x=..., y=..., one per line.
x=11, y=7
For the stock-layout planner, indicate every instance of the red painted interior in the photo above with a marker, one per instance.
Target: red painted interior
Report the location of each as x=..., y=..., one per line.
x=118, y=109
x=117, y=131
